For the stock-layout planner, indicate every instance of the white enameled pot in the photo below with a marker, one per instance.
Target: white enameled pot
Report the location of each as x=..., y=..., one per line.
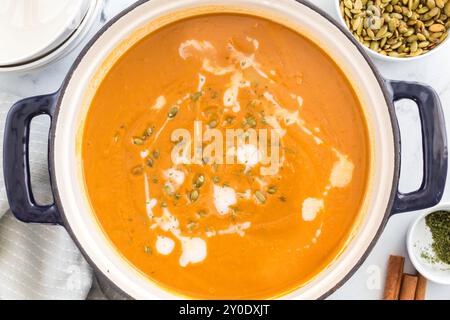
x=68, y=108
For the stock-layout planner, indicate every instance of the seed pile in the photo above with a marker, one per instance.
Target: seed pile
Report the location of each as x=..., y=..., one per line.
x=398, y=28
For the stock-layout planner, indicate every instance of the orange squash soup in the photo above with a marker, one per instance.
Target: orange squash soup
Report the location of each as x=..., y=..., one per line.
x=226, y=156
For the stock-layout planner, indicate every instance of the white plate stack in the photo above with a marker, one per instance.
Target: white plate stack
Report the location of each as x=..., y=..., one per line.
x=35, y=32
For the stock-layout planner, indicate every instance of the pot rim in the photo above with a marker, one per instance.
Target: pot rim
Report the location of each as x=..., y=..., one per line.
x=384, y=89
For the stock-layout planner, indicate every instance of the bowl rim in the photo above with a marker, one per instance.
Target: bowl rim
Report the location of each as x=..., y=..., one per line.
x=444, y=206
x=379, y=56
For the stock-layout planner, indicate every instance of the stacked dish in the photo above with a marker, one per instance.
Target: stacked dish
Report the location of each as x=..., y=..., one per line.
x=35, y=33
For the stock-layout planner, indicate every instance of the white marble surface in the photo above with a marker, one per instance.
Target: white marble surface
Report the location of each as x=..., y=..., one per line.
x=367, y=282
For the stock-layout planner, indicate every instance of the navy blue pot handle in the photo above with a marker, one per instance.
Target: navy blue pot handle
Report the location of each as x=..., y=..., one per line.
x=16, y=163
x=434, y=146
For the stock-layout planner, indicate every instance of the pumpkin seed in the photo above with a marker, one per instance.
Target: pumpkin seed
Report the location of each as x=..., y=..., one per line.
x=260, y=197
x=440, y=3
x=398, y=28
x=148, y=250
x=199, y=181
x=149, y=162
x=193, y=196
x=137, y=171
x=272, y=190
x=138, y=141
x=437, y=28
x=173, y=112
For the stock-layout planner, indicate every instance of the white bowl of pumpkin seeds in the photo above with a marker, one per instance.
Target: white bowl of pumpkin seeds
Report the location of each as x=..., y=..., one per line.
x=397, y=30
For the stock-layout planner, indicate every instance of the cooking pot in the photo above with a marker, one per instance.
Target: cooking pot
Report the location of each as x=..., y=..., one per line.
x=68, y=107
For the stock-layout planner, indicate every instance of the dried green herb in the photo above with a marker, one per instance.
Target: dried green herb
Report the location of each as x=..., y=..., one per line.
x=439, y=224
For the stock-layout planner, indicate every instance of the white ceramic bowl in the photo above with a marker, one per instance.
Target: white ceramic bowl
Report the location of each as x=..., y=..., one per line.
x=419, y=242
x=379, y=56
x=73, y=41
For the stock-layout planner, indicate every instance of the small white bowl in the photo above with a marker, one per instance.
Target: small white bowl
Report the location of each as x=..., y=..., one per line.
x=418, y=243
x=379, y=56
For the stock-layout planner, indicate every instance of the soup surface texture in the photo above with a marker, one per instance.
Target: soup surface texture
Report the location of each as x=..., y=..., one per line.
x=245, y=223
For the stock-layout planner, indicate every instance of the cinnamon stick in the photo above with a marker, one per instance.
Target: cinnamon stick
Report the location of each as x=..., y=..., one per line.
x=393, y=277
x=421, y=290
x=409, y=286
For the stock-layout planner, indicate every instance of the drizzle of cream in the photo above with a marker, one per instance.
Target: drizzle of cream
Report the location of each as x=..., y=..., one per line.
x=342, y=172
x=262, y=183
x=164, y=245
x=200, y=46
x=230, y=97
x=273, y=122
x=311, y=207
x=194, y=250
x=290, y=117
x=224, y=197
x=211, y=233
x=238, y=228
x=149, y=202
x=245, y=61
x=160, y=103
x=248, y=155
x=174, y=176
x=201, y=82
x=215, y=69
x=144, y=154
x=167, y=222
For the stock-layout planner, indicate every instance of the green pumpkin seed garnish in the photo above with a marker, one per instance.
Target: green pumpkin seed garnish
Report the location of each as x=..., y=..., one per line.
x=202, y=213
x=149, y=162
x=199, y=181
x=138, y=141
x=137, y=171
x=260, y=197
x=155, y=154
x=173, y=112
x=177, y=196
x=193, y=196
x=272, y=190
x=148, y=132
x=398, y=28
x=192, y=225
x=148, y=250
x=250, y=121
